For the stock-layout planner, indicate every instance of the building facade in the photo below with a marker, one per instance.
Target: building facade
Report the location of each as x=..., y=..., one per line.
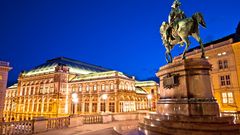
x=224, y=55
x=4, y=69
x=152, y=88
x=63, y=87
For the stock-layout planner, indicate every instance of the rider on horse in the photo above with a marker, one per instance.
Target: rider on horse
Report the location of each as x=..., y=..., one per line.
x=175, y=15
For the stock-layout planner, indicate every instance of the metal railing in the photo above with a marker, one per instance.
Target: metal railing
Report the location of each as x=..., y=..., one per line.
x=56, y=123
x=16, y=128
x=92, y=119
x=236, y=116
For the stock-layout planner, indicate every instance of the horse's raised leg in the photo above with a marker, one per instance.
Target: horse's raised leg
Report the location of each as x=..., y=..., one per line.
x=187, y=42
x=197, y=37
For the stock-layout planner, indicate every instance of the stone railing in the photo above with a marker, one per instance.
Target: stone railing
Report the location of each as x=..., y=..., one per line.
x=55, y=123
x=92, y=119
x=16, y=128
x=234, y=114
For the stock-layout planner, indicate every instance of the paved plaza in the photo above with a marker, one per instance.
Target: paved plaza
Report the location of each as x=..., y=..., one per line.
x=97, y=129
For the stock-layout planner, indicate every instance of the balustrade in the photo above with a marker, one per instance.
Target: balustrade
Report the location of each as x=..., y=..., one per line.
x=16, y=128
x=92, y=119
x=53, y=123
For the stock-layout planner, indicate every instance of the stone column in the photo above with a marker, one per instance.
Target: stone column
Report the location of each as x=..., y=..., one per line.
x=90, y=104
x=42, y=105
x=98, y=104
x=32, y=106
x=83, y=105
x=107, y=104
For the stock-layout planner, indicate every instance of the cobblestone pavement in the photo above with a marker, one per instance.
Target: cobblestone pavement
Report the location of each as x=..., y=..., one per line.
x=92, y=129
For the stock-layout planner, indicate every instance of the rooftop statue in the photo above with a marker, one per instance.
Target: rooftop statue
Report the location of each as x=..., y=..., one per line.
x=178, y=28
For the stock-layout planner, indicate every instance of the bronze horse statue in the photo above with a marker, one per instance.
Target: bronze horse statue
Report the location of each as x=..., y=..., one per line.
x=180, y=32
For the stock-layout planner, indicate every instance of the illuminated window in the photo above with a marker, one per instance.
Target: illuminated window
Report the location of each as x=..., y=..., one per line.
x=227, y=97
x=225, y=64
x=112, y=107
x=95, y=87
x=107, y=87
x=220, y=64
x=87, y=88
x=103, y=87
x=80, y=88
x=225, y=80
x=111, y=86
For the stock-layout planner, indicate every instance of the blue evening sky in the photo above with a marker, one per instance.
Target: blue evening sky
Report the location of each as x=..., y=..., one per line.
x=117, y=34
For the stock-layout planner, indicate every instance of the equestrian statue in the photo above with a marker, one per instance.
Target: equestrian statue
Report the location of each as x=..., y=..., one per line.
x=178, y=28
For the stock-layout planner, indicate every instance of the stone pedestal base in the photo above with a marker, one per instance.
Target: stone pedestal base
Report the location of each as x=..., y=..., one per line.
x=189, y=107
x=156, y=124
x=185, y=89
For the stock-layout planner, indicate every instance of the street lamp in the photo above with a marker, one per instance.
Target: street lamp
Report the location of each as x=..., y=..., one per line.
x=74, y=100
x=149, y=97
x=104, y=97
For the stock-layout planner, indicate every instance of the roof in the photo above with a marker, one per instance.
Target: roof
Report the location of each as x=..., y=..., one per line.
x=14, y=86
x=99, y=75
x=235, y=38
x=140, y=90
x=145, y=83
x=75, y=66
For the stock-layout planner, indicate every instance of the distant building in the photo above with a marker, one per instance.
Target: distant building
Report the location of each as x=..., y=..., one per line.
x=224, y=55
x=152, y=88
x=4, y=69
x=63, y=87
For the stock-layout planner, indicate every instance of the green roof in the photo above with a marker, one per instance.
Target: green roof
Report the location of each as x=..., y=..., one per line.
x=140, y=90
x=99, y=75
x=75, y=66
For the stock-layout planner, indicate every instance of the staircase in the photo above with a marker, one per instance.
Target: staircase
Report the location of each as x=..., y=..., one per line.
x=155, y=124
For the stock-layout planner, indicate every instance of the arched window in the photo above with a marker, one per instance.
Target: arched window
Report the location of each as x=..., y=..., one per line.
x=103, y=86
x=87, y=88
x=80, y=88
x=111, y=86
x=95, y=87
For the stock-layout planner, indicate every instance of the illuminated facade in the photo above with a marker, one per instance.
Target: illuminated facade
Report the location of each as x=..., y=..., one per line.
x=63, y=87
x=224, y=55
x=152, y=88
x=4, y=69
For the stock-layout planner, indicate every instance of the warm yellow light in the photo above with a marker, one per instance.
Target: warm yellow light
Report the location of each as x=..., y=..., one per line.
x=104, y=96
x=149, y=96
x=74, y=95
x=74, y=98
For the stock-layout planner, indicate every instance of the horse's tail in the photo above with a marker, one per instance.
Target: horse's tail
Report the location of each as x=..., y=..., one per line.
x=199, y=18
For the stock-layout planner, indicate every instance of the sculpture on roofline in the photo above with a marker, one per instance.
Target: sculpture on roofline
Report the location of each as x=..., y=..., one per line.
x=178, y=28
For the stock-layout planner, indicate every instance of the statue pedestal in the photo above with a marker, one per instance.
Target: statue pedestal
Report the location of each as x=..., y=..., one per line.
x=186, y=105
x=185, y=89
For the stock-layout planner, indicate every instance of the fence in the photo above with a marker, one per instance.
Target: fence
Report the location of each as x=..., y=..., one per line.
x=234, y=114
x=16, y=128
x=54, y=123
x=92, y=119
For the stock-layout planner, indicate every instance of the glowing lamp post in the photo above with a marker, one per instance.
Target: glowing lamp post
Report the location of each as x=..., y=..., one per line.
x=149, y=97
x=74, y=100
x=104, y=97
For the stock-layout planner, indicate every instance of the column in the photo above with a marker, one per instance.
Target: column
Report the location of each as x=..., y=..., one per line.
x=107, y=104
x=28, y=104
x=83, y=105
x=90, y=104
x=116, y=104
x=47, y=104
x=33, y=105
x=42, y=105
x=98, y=104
